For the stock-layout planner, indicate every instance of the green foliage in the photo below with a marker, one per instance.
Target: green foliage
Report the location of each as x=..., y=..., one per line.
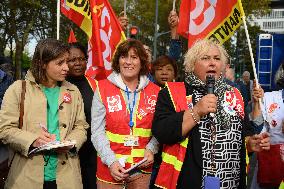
x=26, y=61
x=142, y=14
x=257, y=8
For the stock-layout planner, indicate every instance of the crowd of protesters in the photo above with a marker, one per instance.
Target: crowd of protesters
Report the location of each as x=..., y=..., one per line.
x=185, y=135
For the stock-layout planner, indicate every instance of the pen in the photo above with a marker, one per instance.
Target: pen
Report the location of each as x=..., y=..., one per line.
x=43, y=127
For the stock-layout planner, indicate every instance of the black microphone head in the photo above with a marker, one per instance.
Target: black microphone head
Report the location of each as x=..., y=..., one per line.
x=210, y=82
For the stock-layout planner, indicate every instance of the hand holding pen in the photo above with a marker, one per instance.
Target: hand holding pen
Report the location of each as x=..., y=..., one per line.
x=44, y=137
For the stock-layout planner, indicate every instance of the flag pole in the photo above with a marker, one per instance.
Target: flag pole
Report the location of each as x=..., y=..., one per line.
x=250, y=51
x=248, y=41
x=124, y=8
x=58, y=19
x=174, y=5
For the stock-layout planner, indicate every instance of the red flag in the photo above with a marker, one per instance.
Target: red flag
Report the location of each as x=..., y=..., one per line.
x=98, y=20
x=209, y=19
x=106, y=35
x=72, y=38
x=81, y=20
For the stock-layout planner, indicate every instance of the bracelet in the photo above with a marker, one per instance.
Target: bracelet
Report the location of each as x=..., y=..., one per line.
x=192, y=114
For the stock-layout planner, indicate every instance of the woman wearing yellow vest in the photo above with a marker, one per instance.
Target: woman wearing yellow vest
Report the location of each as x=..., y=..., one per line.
x=122, y=112
x=202, y=125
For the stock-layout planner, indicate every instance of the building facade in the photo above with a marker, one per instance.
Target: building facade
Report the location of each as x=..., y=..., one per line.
x=274, y=21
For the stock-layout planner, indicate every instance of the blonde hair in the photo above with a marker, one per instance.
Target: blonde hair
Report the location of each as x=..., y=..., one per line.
x=199, y=48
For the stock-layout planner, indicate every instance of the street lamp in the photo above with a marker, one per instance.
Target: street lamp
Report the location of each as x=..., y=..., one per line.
x=156, y=30
x=157, y=34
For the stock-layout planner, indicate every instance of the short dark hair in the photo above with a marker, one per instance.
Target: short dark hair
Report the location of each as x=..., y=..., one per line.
x=46, y=51
x=78, y=45
x=124, y=48
x=162, y=61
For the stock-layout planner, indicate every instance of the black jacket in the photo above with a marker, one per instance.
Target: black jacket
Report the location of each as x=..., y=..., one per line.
x=167, y=128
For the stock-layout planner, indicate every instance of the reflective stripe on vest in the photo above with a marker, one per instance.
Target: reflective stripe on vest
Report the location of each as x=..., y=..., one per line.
x=118, y=138
x=134, y=153
x=173, y=160
x=173, y=155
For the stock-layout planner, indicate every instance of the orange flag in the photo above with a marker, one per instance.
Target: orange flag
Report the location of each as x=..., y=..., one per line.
x=72, y=38
x=215, y=19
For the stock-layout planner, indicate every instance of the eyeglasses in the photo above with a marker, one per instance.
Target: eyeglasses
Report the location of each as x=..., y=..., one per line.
x=77, y=59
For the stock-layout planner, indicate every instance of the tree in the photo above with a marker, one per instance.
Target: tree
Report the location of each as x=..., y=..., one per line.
x=17, y=19
x=142, y=14
x=4, y=26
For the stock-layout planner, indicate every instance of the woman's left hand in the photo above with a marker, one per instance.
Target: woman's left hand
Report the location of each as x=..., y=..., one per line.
x=257, y=143
x=150, y=158
x=64, y=150
x=265, y=141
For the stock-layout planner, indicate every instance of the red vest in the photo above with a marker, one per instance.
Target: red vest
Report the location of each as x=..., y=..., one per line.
x=92, y=82
x=173, y=155
x=117, y=128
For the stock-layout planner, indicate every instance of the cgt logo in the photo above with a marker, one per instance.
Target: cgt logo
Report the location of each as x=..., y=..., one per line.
x=272, y=108
x=67, y=98
x=105, y=35
x=105, y=32
x=114, y=103
x=201, y=16
x=151, y=103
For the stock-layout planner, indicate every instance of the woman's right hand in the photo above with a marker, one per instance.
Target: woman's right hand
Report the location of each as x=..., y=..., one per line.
x=207, y=104
x=257, y=92
x=43, y=138
x=117, y=171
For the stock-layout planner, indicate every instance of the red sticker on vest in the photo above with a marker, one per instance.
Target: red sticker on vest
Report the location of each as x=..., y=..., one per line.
x=151, y=103
x=114, y=103
x=273, y=123
x=272, y=107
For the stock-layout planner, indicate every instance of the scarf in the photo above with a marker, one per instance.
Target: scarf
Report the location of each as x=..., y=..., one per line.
x=220, y=87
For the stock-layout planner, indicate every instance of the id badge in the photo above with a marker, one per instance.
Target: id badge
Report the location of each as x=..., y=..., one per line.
x=211, y=182
x=131, y=141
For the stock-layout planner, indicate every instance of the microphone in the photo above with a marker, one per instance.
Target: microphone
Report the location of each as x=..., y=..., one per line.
x=210, y=82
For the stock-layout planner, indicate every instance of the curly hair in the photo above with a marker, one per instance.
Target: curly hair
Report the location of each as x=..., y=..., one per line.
x=123, y=49
x=46, y=51
x=279, y=76
x=198, y=49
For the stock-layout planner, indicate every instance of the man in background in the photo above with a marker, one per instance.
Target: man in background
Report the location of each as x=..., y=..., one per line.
x=248, y=90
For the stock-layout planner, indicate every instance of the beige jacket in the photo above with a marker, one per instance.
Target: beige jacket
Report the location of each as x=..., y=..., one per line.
x=28, y=172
